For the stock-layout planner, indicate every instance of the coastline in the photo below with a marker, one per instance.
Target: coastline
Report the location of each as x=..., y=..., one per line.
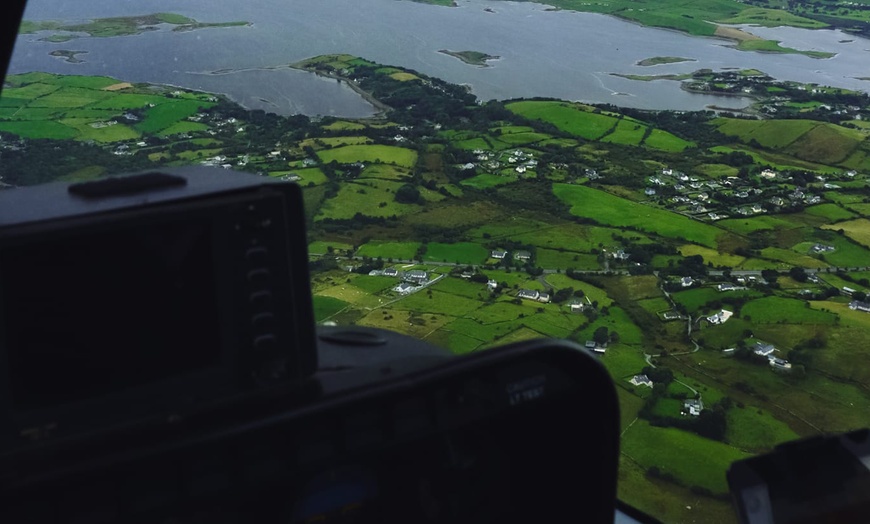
x=381, y=107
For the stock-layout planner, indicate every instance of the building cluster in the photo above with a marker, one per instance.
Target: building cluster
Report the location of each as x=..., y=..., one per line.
x=495, y=162
x=409, y=281
x=716, y=199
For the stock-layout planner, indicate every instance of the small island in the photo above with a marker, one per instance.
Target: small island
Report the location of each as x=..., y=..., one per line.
x=69, y=56
x=659, y=60
x=471, y=57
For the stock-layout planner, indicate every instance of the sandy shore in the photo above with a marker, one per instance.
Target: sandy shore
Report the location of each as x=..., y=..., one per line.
x=732, y=33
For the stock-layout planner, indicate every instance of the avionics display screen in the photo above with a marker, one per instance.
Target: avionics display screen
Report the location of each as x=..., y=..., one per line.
x=98, y=313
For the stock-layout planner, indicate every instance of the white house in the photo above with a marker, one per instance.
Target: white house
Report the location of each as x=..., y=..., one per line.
x=857, y=305
x=720, y=317
x=693, y=407
x=764, y=349
x=404, y=288
x=528, y=294
x=641, y=380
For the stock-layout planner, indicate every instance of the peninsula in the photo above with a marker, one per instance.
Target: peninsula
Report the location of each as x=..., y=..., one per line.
x=471, y=57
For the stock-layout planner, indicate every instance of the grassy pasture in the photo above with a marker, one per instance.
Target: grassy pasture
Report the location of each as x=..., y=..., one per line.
x=311, y=175
x=783, y=258
x=125, y=101
x=694, y=460
x=626, y=132
x=182, y=128
x=665, y=141
x=551, y=259
x=594, y=293
x=373, y=285
x=655, y=305
x=826, y=143
x=30, y=91
x=858, y=230
x=40, y=129
x=384, y=171
x=616, y=320
x=755, y=430
x=365, y=197
x=860, y=208
x=831, y=212
x=114, y=133
x=164, y=115
x=666, y=500
x=772, y=18
x=460, y=252
x=456, y=342
x=473, y=143
x=385, y=250
x=623, y=361
x=612, y=210
x=521, y=139
x=772, y=46
x=321, y=247
x=847, y=253
x=571, y=118
x=694, y=299
x=402, y=76
x=344, y=125
x=774, y=134
x=482, y=333
x=486, y=180
x=439, y=303
x=370, y=153
x=325, y=307
x=748, y=225
x=771, y=310
x=70, y=97
x=504, y=130
x=523, y=333
x=711, y=255
x=462, y=287
x=337, y=141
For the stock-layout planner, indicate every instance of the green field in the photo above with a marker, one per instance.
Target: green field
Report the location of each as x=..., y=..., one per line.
x=359, y=196
x=321, y=247
x=40, y=129
x=694, y=460
x=579, y=120
x=460, y=253
x=388, y=250
x=628, y=132
x=770, y=310
x=775, y=134
x=607, y=209
x=755, y=430
x=487, y=180
x=164, y=115
x=325, y=307
x=665, y=141
x=858, y=230
x=831, y=212
x=623, y=362
x=370, y=153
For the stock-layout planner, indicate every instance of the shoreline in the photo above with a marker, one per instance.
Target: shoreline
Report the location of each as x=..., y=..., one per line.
x=382, y=108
